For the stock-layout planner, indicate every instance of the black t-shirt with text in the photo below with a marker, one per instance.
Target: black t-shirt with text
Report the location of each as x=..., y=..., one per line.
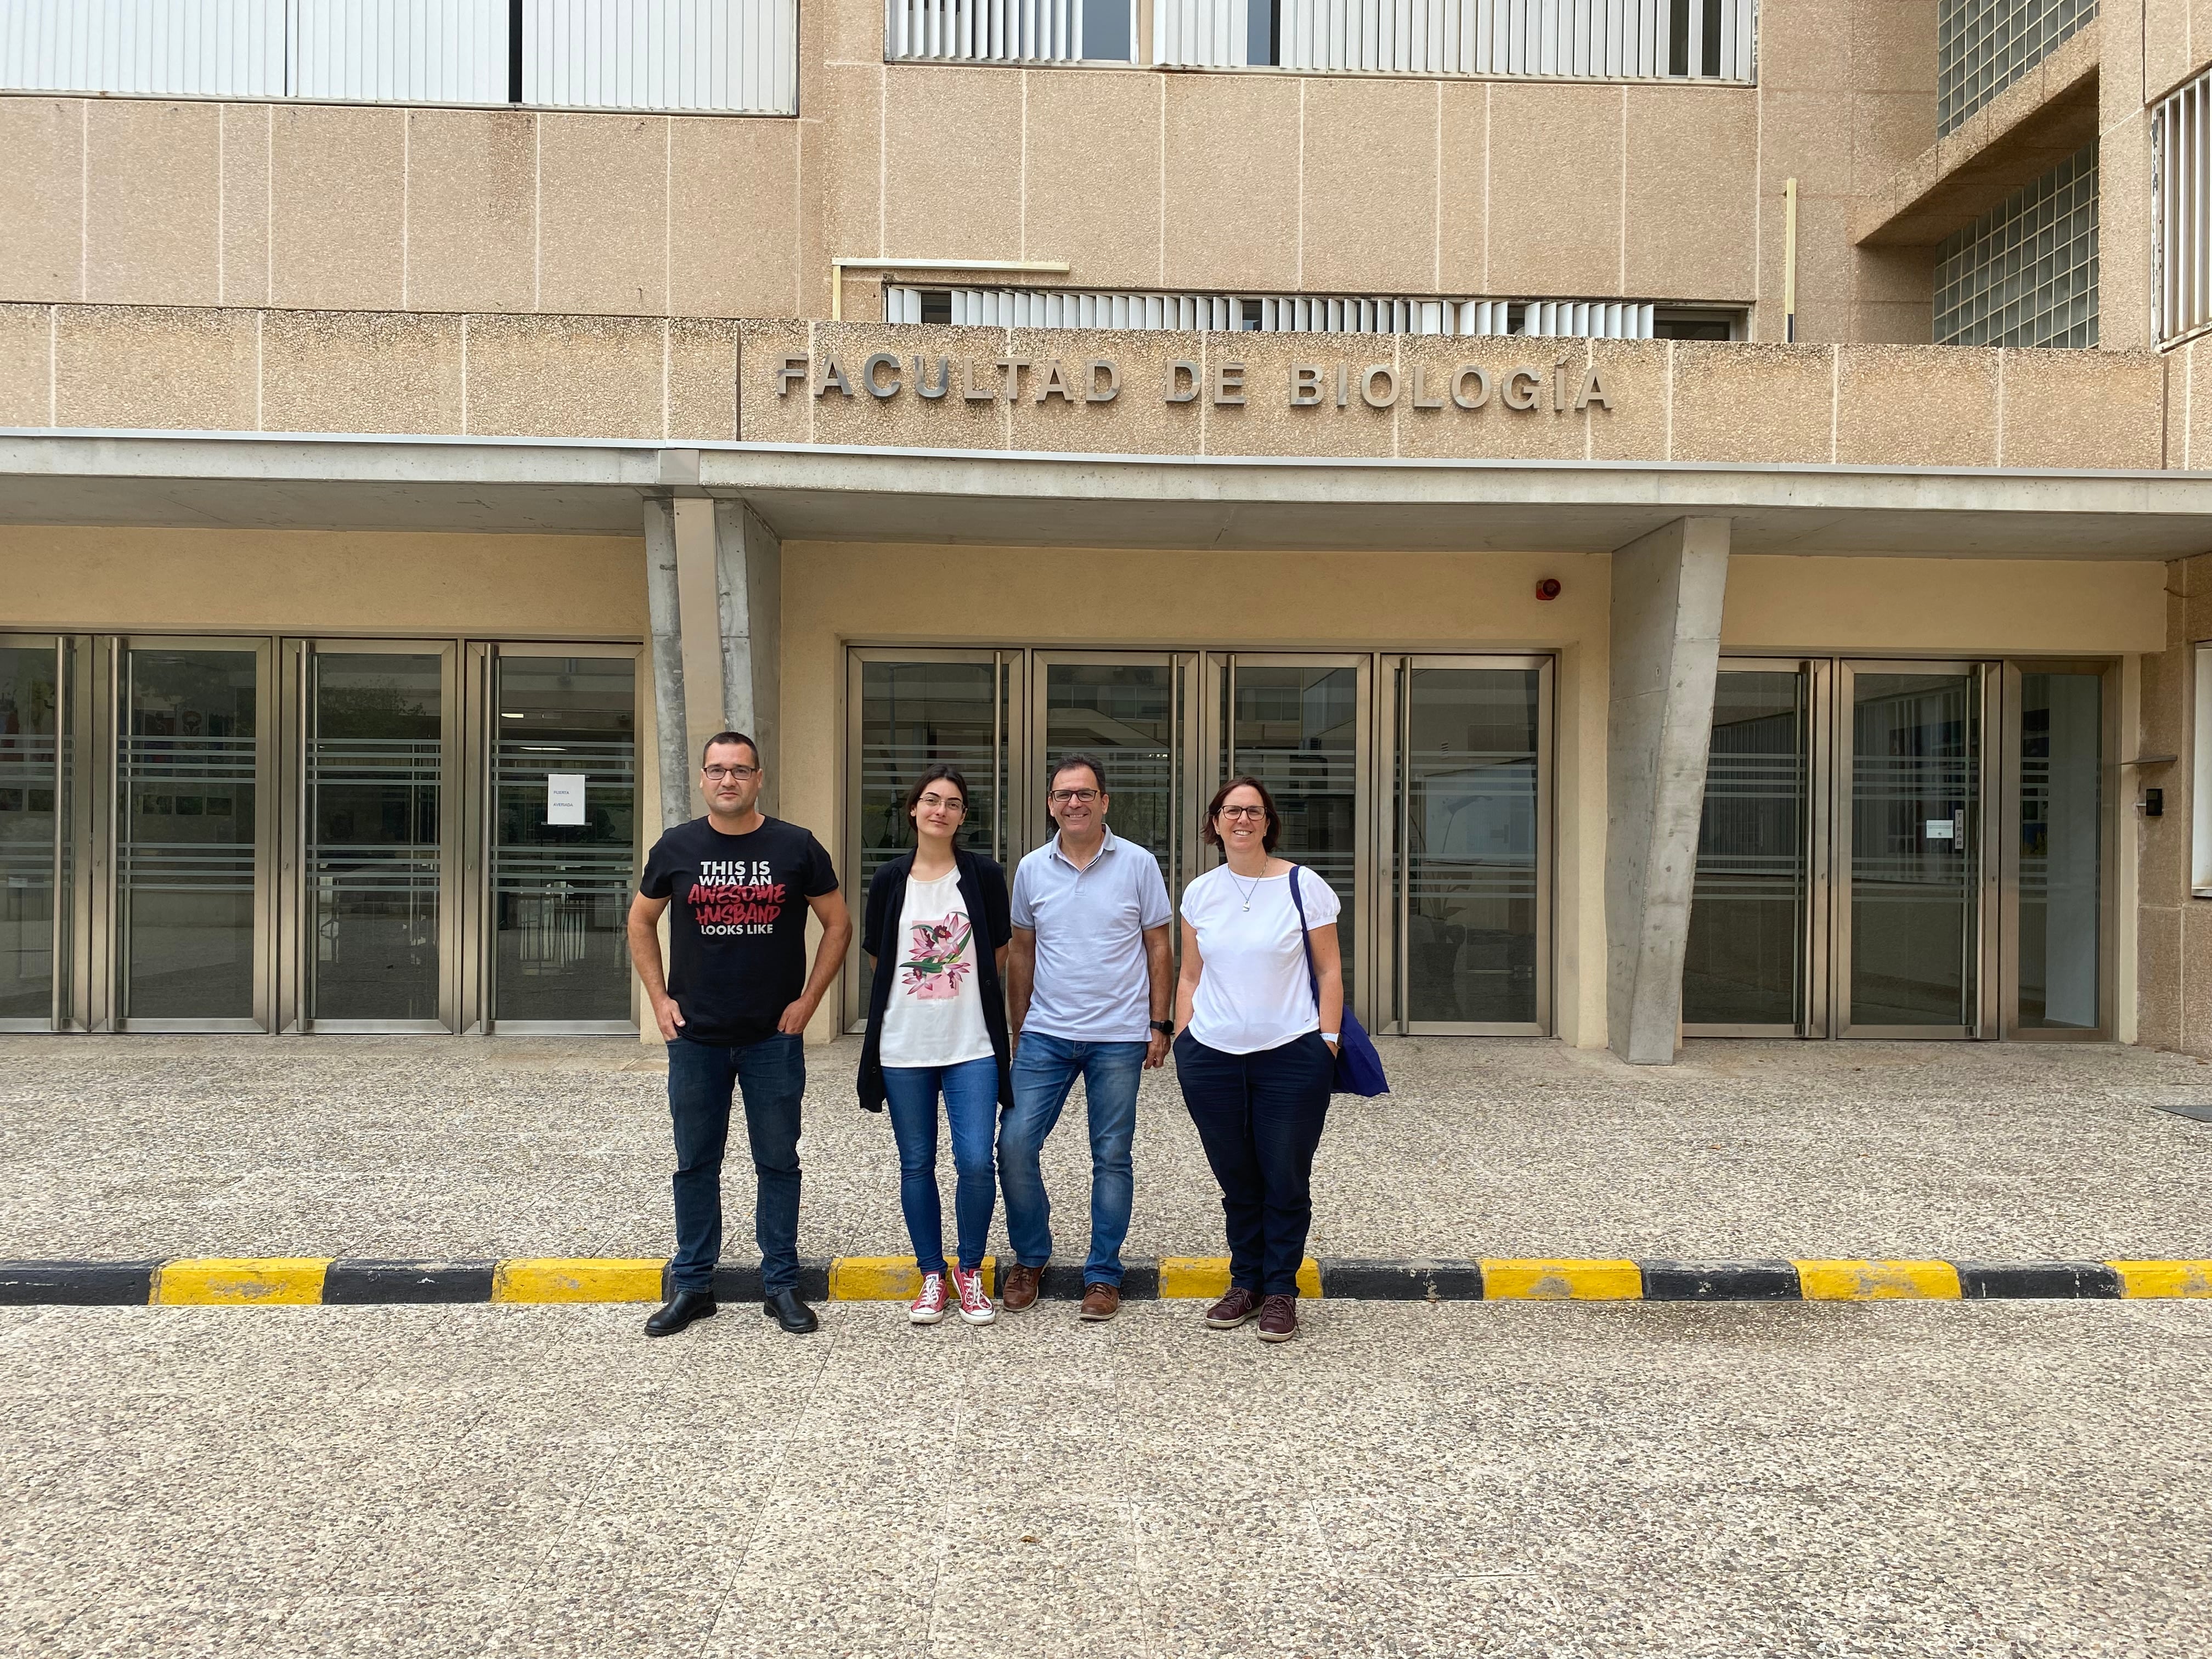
x=736, y=924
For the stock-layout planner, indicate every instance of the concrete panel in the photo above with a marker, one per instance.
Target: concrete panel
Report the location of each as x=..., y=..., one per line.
x=1555, y=189
x=1801, y=43
x=155, y=367
x=1916, y=406
x=1544, y=432
x=1667, y=591
x=2158, y=972
x=1693, y=193
x=42, y=198
x=2068, y=408
x=1752, y=402
x=584, y=377
x=1893, y=44
x=1368, y=203
x=1231, y=161
x=336, y=193
x=324, y=371
x=153, y=189
x=2165, y=45
x=733, y=217
x=841, y=160
x=1799, y=134
x=1463, y=210
x=471, y=209
x=1892, y=323
x=1637, y=375
x=956, y=421
x=602, y=214
x=939, y=122
x=1138, y=420
x=702, y=379
x=26, y=365
x=764, y=416
x=2196, y=978
x=246, y=142
x=1266, y=424
x=2123, y=238
x=1103, y=220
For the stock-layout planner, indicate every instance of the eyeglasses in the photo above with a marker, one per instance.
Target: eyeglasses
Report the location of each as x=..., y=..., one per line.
x=1072, y=797
x=716, y=774
x=1255, y=812
x=954, y=804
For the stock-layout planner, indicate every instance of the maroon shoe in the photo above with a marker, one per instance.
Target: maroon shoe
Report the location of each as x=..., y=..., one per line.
x=1279, y=1319
x=1233, y=1310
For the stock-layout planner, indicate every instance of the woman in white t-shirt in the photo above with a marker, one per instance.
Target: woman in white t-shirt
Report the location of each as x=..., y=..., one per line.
x=1255, y=1045
x=936, y=930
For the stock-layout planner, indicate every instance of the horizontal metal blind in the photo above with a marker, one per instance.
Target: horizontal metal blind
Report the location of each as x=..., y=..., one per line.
x=212, y=48
x=2181, y=192
x=1004, y=31
x=724, y=55
x=1019, y=308
x=427, y=52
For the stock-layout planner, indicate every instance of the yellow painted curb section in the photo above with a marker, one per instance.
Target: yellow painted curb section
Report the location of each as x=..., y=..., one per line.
x=1878, y=1281
x=2163, y=1279
x=890, y=1279
x=579, y=1279
x=1205, y=1277
x=1525, y=1279
x=235, y=1281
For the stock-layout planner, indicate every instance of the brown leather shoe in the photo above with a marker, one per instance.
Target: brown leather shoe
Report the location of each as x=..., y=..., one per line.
x=1018, y=1289
x=1279, y=1319
x=1101, y=1301
x=1234, y=1308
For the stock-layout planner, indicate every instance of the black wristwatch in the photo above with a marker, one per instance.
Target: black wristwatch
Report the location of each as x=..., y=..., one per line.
x=1164, y=1027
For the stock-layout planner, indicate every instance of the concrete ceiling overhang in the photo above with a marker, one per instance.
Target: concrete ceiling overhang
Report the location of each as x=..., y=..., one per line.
x=316, y=482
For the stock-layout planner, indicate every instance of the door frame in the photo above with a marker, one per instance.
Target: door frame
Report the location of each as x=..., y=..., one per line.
x=1034, y=825
x=60, y=1001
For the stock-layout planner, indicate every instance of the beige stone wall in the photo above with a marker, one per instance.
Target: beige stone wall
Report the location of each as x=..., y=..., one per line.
x=2173, y=961
x=1261, y=180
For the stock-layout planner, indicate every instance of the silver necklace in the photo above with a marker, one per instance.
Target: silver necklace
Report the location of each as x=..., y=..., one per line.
x=1241, y=887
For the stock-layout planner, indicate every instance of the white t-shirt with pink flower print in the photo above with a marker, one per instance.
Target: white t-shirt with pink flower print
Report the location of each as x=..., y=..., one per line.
x=935, y=1014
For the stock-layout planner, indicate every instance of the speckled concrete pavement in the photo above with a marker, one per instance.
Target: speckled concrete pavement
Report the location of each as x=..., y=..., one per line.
x=1998, y=1480
x=412, y=1147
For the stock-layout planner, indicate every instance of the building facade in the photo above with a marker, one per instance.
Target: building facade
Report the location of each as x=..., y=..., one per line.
x=1691, y=504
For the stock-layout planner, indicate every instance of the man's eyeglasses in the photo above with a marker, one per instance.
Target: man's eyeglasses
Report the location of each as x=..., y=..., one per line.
x=1243, y=811
x=716, y=774
x=1072, y=797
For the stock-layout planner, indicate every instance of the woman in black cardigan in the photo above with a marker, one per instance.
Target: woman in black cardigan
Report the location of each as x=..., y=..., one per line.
x=936, y=930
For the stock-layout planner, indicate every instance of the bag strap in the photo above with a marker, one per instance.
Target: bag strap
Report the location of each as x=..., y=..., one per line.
x=1313, y=978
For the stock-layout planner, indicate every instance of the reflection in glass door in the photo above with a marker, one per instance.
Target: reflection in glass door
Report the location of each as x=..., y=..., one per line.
x=1128, y=714
x=1745, y=969
x=1473, y=888
x=190, y=834
x=377, y=813
x=2056, y=900
x=31, y=830
x=564, y=837
x=1911, y=855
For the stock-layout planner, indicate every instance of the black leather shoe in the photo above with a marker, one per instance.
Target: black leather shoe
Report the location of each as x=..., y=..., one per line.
x=787, y=1310
x=679, y=1310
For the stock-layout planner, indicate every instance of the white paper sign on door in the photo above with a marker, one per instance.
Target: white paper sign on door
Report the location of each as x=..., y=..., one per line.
x=565, y=797
x=1941, y=829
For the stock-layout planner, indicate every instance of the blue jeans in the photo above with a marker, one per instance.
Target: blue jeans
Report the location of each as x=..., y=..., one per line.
x=1045, y=1070
x=772, y=1074
x=971, y=1107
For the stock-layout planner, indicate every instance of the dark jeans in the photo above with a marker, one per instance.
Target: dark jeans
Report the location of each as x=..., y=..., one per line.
x=772, y=1075
x=1045, y=1070
x=971, y=1110
x=1260, y=1118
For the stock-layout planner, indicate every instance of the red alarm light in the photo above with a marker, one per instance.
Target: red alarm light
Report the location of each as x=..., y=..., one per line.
x=1549, y=588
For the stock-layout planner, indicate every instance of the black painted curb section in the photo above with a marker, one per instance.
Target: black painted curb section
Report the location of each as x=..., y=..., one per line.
x=741, y=1281
x=1064, y=1281
x=76, y=1284
x=1771, y=1280
x=1400, y=1281
x=371, y=1284
x=1987, y=1281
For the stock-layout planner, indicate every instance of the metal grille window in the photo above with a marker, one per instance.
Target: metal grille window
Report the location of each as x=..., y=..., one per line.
x=725, y=56
x=2181, y=189
x=1982, y=47
x=2024, y=273
x=1283, y=314
x=1618, y=40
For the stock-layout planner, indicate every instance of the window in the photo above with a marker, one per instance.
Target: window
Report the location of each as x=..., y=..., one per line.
x=2024, y=273
x=1982, y=47
x=2181, y=181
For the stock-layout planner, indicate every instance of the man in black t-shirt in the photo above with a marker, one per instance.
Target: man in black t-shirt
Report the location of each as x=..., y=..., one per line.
x=735, y=1003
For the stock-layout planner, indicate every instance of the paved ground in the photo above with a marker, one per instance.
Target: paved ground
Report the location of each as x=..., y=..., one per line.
x=2003, y=1481
x=135, y=1146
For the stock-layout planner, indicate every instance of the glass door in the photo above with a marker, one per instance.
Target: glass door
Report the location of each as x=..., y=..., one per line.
x=1747, y=970
x=561, y=756
x=2058, y=898
x=1910, y=863
x=1472, y=828
x=193, y=817
x=1129, y=712
x=32, y=831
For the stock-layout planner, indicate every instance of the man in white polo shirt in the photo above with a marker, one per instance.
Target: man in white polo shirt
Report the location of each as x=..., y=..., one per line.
x=1090, y=983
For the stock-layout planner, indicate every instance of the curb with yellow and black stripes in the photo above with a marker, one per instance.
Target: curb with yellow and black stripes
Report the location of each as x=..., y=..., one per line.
x=277, y=1281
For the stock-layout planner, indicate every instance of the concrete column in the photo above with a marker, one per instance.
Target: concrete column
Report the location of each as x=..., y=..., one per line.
x=749, y=593
x=671, y=737
x=1667, y=592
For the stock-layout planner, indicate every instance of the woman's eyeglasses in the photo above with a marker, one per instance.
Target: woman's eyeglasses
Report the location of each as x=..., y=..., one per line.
x=938, y=802
x=1255, y=812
